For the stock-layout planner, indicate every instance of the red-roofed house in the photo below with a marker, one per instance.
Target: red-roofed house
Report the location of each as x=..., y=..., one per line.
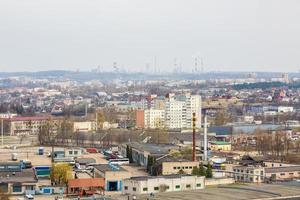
x=86, y=186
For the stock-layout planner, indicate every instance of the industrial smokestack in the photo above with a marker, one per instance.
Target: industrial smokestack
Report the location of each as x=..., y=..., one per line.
x=194, y=136
x=205, y=137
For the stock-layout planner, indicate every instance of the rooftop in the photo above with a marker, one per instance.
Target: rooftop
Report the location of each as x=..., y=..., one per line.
x=24, y=176
x=159, y=149
x=220, y=143
x=282, y=169
x=108, y=168
x=86, y=182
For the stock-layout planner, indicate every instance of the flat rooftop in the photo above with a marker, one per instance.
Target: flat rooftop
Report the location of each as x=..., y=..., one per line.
x=153, y=148
x=239, y=192
x=108, y=168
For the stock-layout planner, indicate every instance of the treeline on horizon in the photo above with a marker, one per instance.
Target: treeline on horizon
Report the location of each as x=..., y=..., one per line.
x=265, y=85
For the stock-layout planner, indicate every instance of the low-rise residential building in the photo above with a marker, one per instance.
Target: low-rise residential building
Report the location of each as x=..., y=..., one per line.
x=146, y=185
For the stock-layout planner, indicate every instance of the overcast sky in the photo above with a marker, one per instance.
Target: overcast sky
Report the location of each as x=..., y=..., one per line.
x=229, y=35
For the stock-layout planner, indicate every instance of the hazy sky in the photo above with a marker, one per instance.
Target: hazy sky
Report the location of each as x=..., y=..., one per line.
x=230, y=35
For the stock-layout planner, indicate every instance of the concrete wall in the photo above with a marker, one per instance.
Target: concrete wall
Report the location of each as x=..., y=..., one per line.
x=218, y=181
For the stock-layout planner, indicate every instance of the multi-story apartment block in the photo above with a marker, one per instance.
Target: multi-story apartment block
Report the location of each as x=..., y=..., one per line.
x=172, y=111
x=180, y=109
x=175, y=114
x=154, y=118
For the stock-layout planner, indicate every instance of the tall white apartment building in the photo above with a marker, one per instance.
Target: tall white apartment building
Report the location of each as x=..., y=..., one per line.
x=179, y=111
x=175, y=113
x=154, y=118
x=193, y=105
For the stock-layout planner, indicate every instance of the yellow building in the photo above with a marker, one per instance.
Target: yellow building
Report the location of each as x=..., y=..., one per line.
x=220, y=146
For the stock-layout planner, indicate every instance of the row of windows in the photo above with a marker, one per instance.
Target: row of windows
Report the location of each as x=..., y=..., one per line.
x=247, y=171
x=183, y=167
x=291, y=173
x=198, y=185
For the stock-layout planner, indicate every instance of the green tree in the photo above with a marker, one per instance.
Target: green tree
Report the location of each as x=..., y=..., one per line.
x=60, y=173
x=209, y=171
x=202, y=171
x=150, y=164
x=129, y=153
x=195, y=171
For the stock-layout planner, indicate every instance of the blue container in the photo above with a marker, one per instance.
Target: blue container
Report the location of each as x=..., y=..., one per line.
x=41, y=151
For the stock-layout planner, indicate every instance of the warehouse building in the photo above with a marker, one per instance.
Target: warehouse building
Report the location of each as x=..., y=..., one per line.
x=113, y=175
x=170, y=183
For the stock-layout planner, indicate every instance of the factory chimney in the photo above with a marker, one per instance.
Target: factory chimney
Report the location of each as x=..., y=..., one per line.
x=205, y=137
x=194, y=136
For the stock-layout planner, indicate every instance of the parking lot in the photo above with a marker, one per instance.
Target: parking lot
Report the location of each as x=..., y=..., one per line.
x=31, y=153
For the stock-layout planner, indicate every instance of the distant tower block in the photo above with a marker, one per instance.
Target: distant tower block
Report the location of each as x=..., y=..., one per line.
x=285, y=77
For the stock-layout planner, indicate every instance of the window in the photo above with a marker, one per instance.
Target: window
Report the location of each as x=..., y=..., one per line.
x=177, y=186
x=174, y=167
x=75, y=152
x=17, y=188
x=198, y=185
x=186, y=167
x=70, y=152
x=126, y=188
x=156, y=188
x=188, y=186
x=282, y=174
x=134, y=188
x=291, y=173
x=145, y=189
x=190, y=167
